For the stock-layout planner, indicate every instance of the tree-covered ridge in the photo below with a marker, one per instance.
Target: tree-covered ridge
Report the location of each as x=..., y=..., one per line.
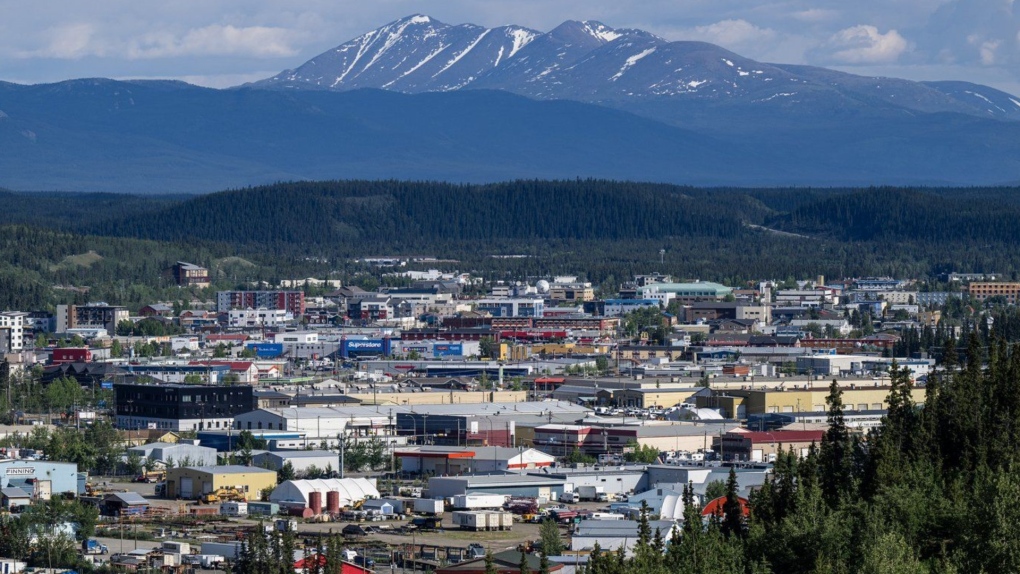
x=325, y=212
x=933, y=489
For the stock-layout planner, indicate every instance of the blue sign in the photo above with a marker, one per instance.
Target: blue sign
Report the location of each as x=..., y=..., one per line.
x=448, y=350
x=265, y=350
x=106, y=385
x=365, y=347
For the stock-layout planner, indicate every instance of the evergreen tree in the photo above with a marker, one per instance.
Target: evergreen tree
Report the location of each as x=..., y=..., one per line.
x=835, y=458
x=733, y=513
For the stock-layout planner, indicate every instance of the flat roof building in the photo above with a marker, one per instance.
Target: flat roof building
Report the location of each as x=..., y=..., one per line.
x=191, y=482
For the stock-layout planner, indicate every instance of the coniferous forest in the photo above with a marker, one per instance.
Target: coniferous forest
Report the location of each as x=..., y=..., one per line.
x=934, y=489
x=53, y=245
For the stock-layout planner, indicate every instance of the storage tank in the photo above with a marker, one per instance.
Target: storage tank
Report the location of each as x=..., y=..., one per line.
x=315, y=502
x=333, y=501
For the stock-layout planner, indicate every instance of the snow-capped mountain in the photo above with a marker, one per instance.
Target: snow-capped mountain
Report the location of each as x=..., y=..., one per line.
x=630, y=69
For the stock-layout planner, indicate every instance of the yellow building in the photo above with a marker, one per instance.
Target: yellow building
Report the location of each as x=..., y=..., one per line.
x=813, y=400
x=653, y=397
x=190, y=482
x=567, y=349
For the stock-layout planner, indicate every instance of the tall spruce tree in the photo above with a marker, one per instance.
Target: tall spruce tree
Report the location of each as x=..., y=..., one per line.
x=835, y=458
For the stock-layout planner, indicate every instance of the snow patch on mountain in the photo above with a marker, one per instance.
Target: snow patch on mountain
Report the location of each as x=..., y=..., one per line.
x=521, y=38
x=463, y=53
x=630, y=62
x=433, y=54
x=601, y=31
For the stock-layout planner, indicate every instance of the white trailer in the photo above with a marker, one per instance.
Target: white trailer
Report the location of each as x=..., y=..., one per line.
x=478, y=501
x=430, y=506
x=590, y=492
x=228, y=550
x=234, y=509
x=482, y=520
x=174, y=547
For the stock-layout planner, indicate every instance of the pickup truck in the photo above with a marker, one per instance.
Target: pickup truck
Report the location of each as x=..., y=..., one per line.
x=93, y=547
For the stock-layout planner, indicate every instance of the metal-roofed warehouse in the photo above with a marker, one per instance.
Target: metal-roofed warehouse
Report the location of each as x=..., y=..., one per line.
x=510, y=484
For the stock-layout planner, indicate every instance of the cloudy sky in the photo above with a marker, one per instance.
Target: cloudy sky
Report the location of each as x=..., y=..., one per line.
x=222, y=43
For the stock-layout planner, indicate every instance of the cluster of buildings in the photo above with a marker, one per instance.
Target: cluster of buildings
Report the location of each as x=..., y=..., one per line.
x=483, y=395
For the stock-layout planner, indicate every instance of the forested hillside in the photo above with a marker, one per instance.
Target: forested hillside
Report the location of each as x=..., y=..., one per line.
x=606, y=231
x=933, y=489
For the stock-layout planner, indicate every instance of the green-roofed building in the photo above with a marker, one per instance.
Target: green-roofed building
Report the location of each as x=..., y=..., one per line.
x=696, y=290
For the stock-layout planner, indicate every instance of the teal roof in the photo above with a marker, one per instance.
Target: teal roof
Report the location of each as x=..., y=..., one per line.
x=703, y=288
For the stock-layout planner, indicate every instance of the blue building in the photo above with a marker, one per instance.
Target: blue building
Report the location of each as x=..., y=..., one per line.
x=39, y=477
x=511, y=307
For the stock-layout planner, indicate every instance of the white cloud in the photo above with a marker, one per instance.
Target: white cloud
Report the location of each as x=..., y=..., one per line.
x=734, y=34
x=731, y=33
x=863, y=44
x=66, y=42
x=216, y=40
x=815, y=15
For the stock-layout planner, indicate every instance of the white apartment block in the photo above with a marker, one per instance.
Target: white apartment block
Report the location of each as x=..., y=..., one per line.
x=14, y=322
x=260, y=317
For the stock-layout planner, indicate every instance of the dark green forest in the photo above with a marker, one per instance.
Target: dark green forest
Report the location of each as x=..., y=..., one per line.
x=605, y=231
x=934, y=489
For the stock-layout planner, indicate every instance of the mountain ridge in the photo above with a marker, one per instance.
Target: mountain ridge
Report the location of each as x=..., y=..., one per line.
x=591, y=62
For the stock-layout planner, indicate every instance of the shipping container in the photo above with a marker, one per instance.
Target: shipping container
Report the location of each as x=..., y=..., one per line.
x=429, y=506
x=263, y=509
x=478, y=501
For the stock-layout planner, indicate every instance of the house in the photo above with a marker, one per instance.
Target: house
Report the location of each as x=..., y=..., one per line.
x=157, y=310
x=507, y=562
x=190, y=275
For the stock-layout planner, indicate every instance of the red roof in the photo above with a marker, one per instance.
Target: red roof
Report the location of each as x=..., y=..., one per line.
x=716, y=507
x=235, y=337
x=345, y=567
x=241, y=366
x=784, y=436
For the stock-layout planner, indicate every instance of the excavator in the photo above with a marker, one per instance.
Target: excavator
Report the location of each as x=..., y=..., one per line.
x=222, y=495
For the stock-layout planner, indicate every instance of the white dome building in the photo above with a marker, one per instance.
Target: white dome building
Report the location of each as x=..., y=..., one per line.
x=351, y=490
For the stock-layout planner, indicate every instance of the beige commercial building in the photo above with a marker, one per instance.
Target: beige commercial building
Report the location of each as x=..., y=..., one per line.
x=191, y=482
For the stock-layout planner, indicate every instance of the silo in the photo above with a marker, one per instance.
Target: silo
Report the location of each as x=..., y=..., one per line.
x=333, y=501
x=315, y=502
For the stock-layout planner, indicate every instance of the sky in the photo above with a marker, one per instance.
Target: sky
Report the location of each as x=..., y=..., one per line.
x=222, y=43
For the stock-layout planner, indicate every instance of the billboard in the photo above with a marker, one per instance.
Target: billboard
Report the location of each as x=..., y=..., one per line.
x=448, y=350
x=356, y=347
x=266, y=350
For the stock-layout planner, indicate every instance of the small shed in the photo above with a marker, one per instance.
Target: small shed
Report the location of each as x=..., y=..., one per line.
x=15, y=497
x=379, y=505
x=125, y=503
